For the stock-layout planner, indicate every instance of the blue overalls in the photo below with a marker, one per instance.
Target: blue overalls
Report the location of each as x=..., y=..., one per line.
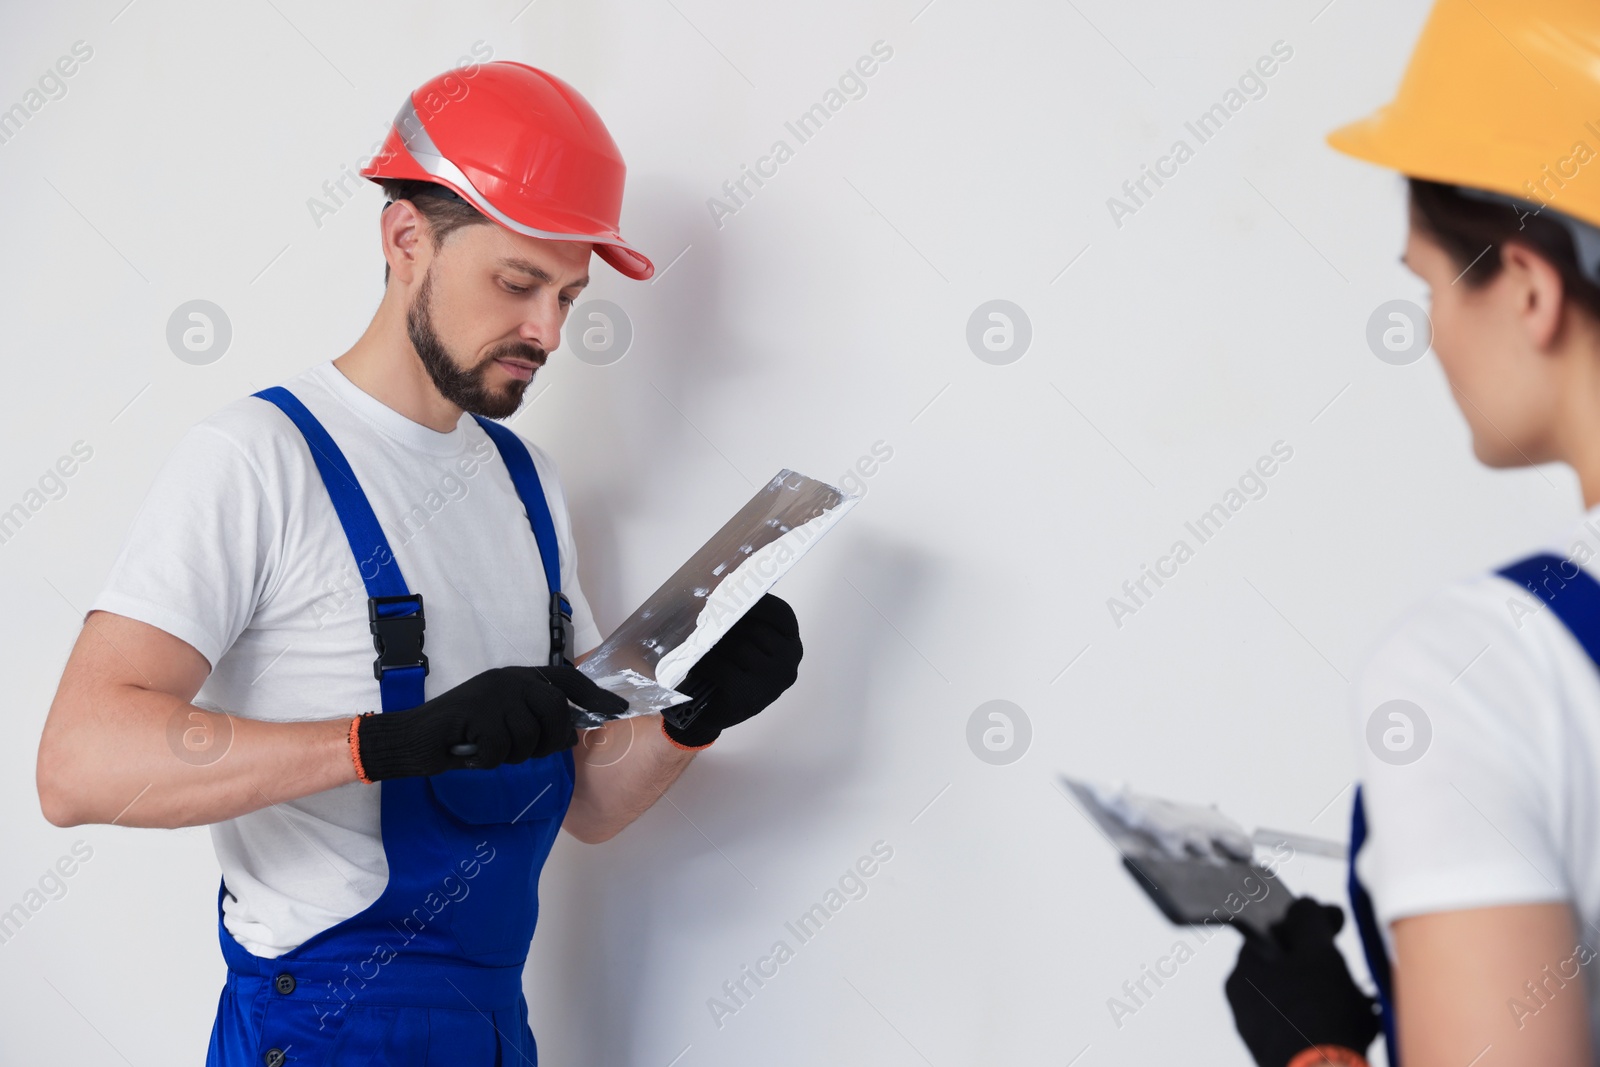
x=431, y=972
x=1575, y=600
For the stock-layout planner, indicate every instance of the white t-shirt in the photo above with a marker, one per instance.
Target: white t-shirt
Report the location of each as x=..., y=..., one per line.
x=237, y=551
x=1503, y=805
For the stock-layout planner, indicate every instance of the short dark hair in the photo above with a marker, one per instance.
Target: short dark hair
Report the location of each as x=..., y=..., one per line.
x=1473, y=232
x=444, y=211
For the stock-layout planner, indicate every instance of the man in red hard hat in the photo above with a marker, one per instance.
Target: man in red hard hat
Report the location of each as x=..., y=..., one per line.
x=380, y=871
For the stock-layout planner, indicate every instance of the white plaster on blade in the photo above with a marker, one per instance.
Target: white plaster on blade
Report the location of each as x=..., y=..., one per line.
x=741, y=588
x=1182, y=831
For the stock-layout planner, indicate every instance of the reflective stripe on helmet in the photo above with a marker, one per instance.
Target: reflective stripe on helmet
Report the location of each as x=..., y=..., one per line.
x=417, y=141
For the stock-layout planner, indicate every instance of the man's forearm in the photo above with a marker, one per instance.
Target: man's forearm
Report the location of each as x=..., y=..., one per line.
x=144, y=758
x=623, y=767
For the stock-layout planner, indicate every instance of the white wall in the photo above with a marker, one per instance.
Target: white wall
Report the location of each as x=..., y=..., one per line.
x=828, y=313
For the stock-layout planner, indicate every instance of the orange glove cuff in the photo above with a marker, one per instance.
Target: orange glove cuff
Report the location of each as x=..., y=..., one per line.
x=1336, y=1055
x=686, y=748
x=355, y=747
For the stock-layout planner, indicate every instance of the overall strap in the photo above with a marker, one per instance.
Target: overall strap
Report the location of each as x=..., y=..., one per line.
x=525, y=478
x=1569, y=590
x=394, y=614
x=1367, y=926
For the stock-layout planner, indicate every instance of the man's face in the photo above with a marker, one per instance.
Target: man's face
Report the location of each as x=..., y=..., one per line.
x=489, y=310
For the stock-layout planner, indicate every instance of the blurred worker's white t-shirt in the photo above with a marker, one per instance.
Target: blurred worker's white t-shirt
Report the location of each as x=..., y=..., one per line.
x=1503, y=804
x=237, y=551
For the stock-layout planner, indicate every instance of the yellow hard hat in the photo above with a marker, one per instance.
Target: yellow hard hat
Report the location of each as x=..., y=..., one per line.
x=1500, y=95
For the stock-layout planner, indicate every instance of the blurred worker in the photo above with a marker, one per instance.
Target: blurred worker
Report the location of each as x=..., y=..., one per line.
x=380, y=871
x=1475, y=846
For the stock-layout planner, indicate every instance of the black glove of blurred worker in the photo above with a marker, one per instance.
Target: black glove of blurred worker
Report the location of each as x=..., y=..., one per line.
x=510, y=713
x=750, y=667
x=1296, y=992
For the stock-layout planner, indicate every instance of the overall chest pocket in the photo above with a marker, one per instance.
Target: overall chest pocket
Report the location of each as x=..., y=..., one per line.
x=514, y=813
x=525, y=792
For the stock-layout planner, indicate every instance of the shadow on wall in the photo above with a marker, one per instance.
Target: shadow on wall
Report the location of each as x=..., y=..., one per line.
x=679, y=346
x=691, y=330
x=619, y=919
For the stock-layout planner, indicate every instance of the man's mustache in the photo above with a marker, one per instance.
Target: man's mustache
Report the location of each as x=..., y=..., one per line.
x=528, y=353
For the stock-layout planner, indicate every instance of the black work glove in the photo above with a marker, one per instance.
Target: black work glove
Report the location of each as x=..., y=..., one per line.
x=509, y=713
x=1295, y=991
x=750, y=667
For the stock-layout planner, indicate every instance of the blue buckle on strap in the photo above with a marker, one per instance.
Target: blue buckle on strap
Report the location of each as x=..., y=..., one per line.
x=396, y=632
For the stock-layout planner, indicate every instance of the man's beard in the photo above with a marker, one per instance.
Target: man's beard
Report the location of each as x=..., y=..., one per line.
x=465, y=388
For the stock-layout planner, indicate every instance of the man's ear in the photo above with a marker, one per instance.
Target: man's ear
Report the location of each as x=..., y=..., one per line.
x=402, y=230
x=1538, y=292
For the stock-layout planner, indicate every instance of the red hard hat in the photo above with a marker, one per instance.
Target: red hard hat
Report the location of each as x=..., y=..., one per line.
x=523, y=147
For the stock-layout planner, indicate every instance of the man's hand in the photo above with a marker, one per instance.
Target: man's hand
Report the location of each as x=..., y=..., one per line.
x=750, y=667
x=624, y=766
x=1295, y=992
x=510, y=713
